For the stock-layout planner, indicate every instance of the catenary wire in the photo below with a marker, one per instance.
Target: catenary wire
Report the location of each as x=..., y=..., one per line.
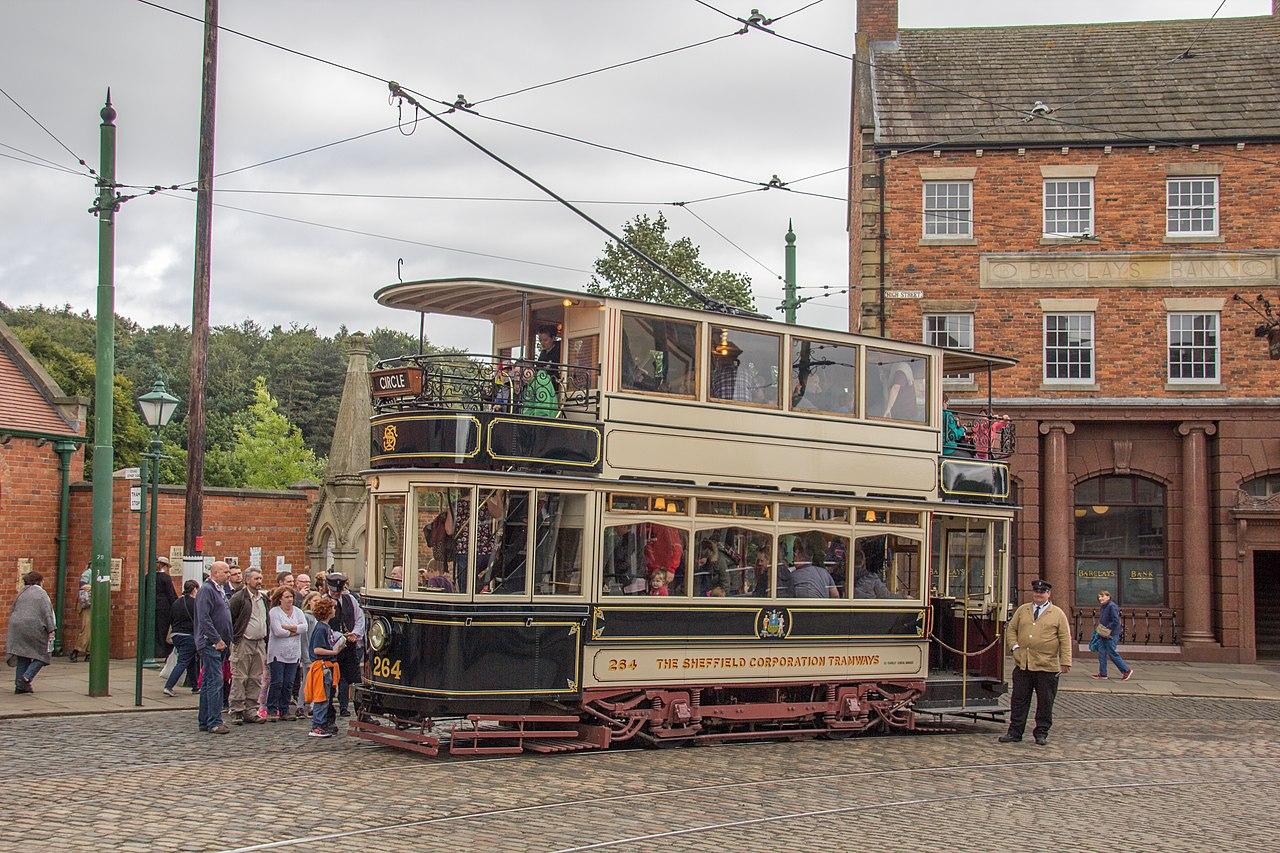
x=795, y=11
x=722, y=236
x=27, y=113
x=37, y=162
x=376, y=235
x=606, y=68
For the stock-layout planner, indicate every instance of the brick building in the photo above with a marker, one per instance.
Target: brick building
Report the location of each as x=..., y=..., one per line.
x=1089, y=199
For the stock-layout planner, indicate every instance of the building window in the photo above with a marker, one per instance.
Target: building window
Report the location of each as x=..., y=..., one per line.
x=1263, y=487
x=1068, y=207
x=1192, y=206
x=953, y=331
x=1120, y=541
x=948, y=209
x=1193, y=347
x=1068, y=348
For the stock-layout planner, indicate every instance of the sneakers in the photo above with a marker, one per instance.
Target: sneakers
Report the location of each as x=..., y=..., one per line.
x=168, y=691
x=1097, y=676
x=1009, y=739
x=1127, y=675
x=219, y=729
x=319, y=732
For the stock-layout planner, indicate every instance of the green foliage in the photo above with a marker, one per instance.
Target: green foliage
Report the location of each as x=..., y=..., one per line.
x=620, y=273
x=74, y=373
x=269, y=449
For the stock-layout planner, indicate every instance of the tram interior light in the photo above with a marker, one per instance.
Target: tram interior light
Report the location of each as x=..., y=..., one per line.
x=671, y=506
x=660, y=504
x=722, y=348
x=1101, y=510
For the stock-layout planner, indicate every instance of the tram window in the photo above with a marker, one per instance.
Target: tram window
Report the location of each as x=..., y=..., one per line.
x=805, y=512
x=886, y=566
x=648, y=503
x=966, y=561
x=812, y=564
x=744, y=366
x=443, y=521
x=558, y=541
x=502, y=530
x=824, y=377
x=738, y=509
x=905, y=519
x=897, y=386
x=584, y=363
x=659, y=355
x=645, y=559
x=731, y=561
x=389, y=571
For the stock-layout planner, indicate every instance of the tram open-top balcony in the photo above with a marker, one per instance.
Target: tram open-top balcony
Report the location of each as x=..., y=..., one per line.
x=587, y=384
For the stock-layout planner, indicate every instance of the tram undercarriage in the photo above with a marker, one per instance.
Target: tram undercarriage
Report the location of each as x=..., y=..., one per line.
x=654, y=717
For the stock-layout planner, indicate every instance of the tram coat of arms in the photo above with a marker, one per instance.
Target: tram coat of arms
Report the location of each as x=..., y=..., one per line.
x=773, y=626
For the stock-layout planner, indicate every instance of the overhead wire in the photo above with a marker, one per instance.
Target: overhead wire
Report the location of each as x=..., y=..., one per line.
x=55, y=168
x=50, y=133
x=376, y=235
x=795, y=11
x=722, y=236
x=44, y=161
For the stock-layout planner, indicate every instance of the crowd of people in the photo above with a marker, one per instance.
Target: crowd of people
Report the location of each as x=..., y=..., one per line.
x=258, y=656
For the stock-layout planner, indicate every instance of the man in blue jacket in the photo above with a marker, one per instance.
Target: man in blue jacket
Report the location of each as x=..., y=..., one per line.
x=1109, y=619
x=213, y=638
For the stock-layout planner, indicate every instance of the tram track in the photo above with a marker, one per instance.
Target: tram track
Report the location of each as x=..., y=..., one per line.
x=900, y=803
x=759, y=783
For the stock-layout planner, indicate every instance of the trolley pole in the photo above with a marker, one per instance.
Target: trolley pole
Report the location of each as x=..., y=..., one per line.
x=104, y=383
x=789, y=303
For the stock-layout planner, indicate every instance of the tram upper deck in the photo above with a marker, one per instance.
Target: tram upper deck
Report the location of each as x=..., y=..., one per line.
x=629, y=390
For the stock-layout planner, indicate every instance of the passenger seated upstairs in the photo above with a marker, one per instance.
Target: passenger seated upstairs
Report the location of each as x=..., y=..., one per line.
x=807, y=579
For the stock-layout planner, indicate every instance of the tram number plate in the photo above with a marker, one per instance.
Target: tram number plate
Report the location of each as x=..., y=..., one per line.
x=385, y=667
x=621, y=664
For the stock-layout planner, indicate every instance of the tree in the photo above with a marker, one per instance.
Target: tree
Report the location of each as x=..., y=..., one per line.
x=268, y=448
x=621, y=273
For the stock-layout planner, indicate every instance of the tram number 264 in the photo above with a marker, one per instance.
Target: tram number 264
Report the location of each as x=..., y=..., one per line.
x=385, y=667
x=621, y=665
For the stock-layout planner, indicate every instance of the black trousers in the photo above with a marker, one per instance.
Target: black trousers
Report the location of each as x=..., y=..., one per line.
x=1045, y=685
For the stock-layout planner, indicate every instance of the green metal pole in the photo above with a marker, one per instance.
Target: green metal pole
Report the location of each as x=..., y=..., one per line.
x=139, y=646
x=151, y=661
x=790, y=276
x=64, y=449
x=104, y=365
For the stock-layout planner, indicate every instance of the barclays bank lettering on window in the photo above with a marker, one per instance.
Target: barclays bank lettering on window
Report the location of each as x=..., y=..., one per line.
x=1218, y=269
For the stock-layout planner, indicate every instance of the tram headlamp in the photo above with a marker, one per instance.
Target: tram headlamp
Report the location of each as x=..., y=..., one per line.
x=378, y=634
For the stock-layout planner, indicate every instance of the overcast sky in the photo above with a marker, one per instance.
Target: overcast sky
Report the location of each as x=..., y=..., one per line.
x=750, y=106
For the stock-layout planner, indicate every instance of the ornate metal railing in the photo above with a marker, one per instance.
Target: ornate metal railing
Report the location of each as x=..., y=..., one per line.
x=1143, y=626
x=485, y=383
x=985, y=436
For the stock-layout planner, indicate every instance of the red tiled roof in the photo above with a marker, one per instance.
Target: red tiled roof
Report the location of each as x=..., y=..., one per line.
x=22, y=406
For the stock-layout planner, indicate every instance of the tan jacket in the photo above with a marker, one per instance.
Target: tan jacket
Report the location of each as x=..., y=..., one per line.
x=1043, y=645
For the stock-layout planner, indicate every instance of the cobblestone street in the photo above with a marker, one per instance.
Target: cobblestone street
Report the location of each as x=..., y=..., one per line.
x=1132, y=772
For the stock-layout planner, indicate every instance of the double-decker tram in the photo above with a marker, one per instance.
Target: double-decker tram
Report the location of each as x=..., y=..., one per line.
x=640, y=523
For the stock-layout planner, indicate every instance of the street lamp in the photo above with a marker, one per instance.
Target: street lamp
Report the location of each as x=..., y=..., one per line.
x=157, y=407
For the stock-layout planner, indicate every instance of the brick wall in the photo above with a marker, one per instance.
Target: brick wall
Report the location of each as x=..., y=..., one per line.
x=1129, y=204
x=234, y=520
x=878, y=19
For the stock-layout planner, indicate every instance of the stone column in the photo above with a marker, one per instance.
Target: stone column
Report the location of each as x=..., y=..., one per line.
x=1197, y=565
x=1059, y=522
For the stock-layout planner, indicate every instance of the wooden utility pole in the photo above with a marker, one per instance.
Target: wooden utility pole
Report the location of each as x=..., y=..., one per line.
x=200, y=295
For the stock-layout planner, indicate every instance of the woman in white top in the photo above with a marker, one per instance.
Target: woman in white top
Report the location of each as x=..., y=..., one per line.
x=288, y=630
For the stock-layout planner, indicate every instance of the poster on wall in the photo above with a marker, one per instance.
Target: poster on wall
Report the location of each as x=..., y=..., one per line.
x=255, y=557
x=25, y=564
x=117, y=573
x=175, y=555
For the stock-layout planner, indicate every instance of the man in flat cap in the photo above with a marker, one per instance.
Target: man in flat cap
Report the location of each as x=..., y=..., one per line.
x=1040, y=641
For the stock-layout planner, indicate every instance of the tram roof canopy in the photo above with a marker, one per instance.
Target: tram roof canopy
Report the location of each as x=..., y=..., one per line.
x=492, y=299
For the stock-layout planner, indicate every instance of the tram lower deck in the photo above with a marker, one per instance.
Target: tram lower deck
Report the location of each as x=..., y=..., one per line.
x=515, y=612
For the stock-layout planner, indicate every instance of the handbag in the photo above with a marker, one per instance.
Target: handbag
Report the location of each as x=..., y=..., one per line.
x=169, y=664
x=1103, y=632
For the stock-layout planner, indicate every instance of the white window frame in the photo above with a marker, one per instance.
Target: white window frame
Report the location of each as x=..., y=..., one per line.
x=1217, y=348
x=949, y=378
x=1093, y=349
x=1169, y=208
x=947, y=214
x=1044, y=207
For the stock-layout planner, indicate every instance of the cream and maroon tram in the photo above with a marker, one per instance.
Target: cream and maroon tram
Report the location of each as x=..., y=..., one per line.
x=632, y=522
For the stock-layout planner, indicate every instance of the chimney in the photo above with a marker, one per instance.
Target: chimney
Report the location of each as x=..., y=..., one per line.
x=878, y=19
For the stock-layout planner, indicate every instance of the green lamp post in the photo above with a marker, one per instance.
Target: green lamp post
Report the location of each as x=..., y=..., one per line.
x=157, y=406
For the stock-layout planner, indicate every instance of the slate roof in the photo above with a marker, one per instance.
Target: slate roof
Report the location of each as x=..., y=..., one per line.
x=1228, y=89
x=27, y=392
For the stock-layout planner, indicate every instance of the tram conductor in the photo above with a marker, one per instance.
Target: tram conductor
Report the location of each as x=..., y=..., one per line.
x=1039, y=638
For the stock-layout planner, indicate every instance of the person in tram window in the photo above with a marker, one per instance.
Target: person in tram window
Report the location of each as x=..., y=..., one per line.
x=900, y=392
x=664, y=559
x=395, y=578
x=867, y=583
x=548, y=347
x=447, y=536
x=808, y=579
x=759, y=577
x=730, y=379
x=434, y=578
x=712, y=570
